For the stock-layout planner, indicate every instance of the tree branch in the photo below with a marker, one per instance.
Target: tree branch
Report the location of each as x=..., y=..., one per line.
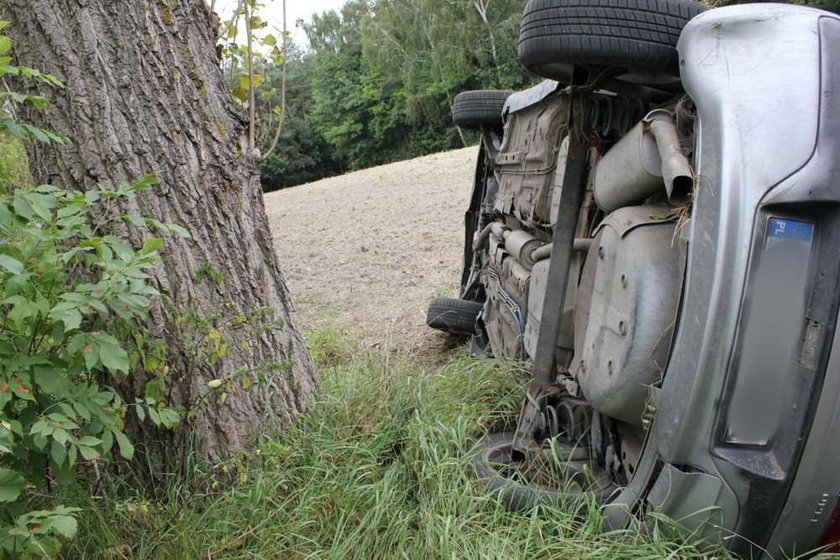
x=281, y=121
x=252, y=93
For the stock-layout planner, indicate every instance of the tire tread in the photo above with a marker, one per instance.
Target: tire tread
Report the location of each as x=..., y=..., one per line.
x=453, y=315
x=637, y=35
x=474, y=108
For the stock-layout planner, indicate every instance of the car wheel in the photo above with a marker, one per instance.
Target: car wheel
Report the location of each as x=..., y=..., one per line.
x=453, y=315
x=472, y=109
x=637, y=38
x=503, y=473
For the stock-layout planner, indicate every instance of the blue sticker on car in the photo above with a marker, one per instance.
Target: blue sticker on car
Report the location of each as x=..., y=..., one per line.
x=793, y=230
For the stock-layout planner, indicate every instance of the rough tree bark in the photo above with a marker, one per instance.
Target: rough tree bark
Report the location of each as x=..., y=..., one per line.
x=144, y=93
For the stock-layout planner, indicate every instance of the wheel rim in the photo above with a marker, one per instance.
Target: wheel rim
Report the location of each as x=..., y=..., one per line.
x=560, y=470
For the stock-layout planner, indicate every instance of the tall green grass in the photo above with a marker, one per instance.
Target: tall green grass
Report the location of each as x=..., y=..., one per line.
x=378, y=469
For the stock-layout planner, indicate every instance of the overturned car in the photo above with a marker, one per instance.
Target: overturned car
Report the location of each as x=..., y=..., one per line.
x=655, y=231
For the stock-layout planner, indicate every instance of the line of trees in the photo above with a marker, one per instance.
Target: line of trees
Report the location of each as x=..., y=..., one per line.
x=377, y=80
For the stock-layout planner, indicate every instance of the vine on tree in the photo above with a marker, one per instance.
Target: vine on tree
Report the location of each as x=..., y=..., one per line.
x=247, y=70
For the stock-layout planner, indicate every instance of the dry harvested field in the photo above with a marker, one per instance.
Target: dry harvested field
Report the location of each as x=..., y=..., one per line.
x=366, y=251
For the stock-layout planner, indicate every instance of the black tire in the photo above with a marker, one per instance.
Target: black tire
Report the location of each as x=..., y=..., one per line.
x=492, y=455
x=453, y=315
x=637, y=36
x=471, y=109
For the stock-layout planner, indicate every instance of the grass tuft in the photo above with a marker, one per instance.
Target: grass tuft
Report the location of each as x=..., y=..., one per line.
x=378, y=469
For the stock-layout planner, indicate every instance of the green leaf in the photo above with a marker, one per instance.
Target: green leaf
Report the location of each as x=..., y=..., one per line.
x=85, y=344
x=245, y=81
x=5, y=44
x=175, y=228
x=126, y=449
x=169, y=417
x=37, y=133
x=88, y=453
x=13, y=128
x=82, y=410
x=151, y=245
x=11, y=485
x=62, y=421
x=241, y=94
x=148, y=180
x=112, y=355
x=48, y=189
x=22, y=390
x=12, y=265
x=68, y=313
x=60, y=436
x=64, y=525
x=20, y=204
x=23, y=310
x=55, y=137
x=89, y=441
x=97, y=305
x=269, y=41
x=135, y=220
x=29, y=204
x=51, y=381
x=58, y=453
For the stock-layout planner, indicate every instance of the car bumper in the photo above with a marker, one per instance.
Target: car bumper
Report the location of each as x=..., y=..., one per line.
x=753, y=340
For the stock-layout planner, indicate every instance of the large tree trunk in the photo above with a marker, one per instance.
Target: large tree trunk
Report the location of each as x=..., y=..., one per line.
x=144, y=93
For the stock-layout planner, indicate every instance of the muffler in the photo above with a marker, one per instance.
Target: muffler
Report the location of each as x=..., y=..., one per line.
x=519, y=243
x=641, y=163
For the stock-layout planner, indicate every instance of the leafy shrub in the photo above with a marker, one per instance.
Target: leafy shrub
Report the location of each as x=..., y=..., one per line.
x=71, y=298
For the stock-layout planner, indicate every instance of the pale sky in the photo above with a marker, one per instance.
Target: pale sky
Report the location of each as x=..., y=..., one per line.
x=295, y=9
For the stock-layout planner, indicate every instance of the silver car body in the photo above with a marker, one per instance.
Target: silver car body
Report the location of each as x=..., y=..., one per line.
x=757, y=329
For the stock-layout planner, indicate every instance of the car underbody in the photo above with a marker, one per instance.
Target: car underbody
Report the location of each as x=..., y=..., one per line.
x=664, y=256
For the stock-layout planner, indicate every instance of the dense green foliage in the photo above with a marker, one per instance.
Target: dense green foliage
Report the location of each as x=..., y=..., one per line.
x=302, y=153
x=378, y=469
x=378, y=80
x=72, y=298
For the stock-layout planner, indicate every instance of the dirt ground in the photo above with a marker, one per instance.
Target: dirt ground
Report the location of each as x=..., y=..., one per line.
x=367, y=251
